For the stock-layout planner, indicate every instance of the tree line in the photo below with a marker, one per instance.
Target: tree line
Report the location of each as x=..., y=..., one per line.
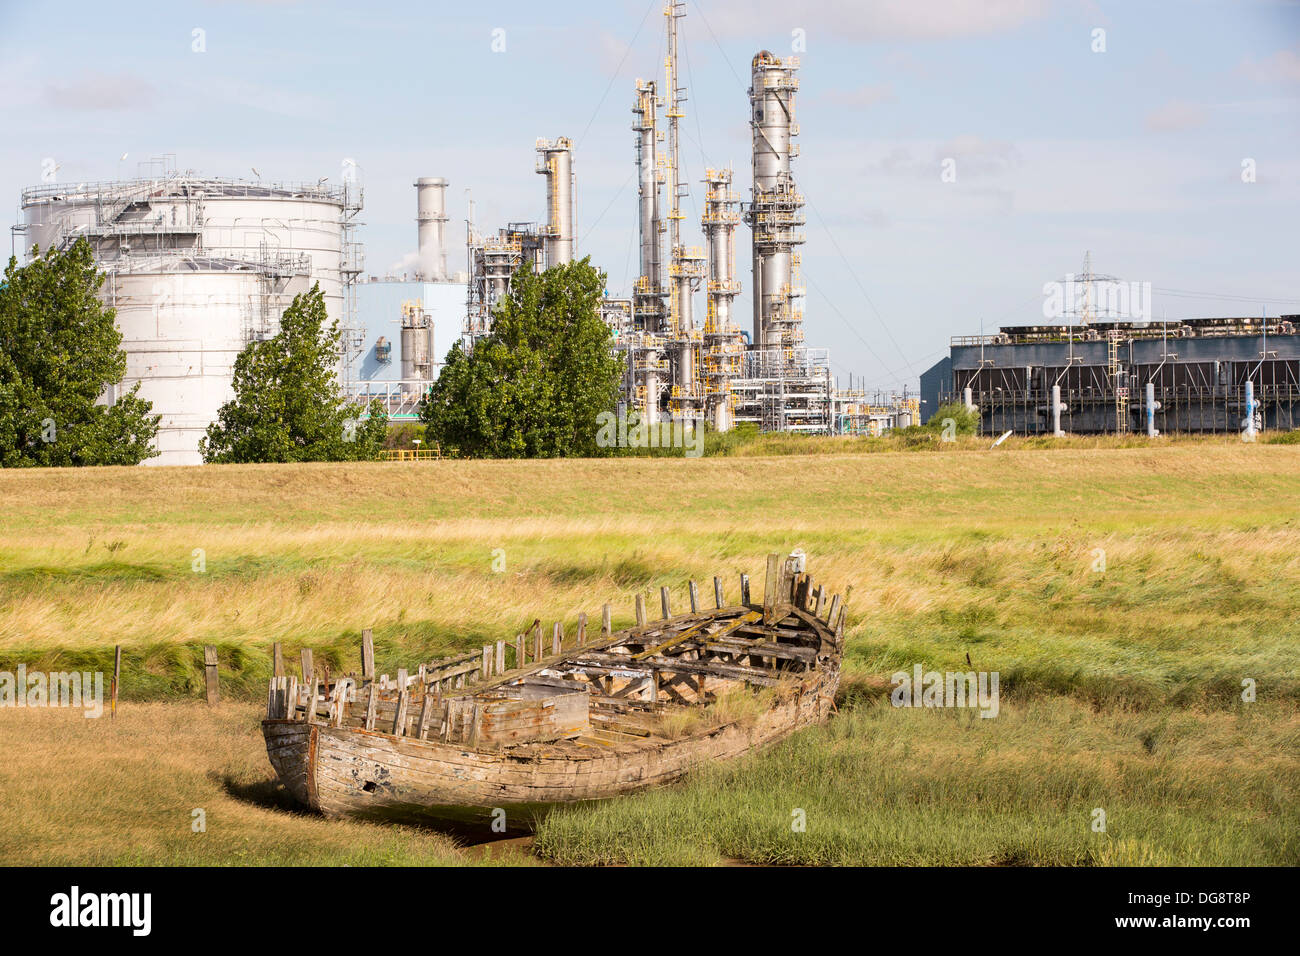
x=533, y=387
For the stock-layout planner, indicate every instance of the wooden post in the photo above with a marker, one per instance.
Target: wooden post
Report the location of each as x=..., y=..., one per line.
x=695, y=596
x=717, y=592
x=277, y=660
x=640, y=610
x=117, y=677
x=835, y=612
x=821, y=599
x=308, y=671
x=521, y=653
x=371, y=703
x=403, y=678
x=664, y=602
x=210, y=672
x=582, y=629
x=487, y=661
x=606, y=621
x=310, y=715
x=537, y=641
x=557, y=638
x=501, y=658
x=367, y=654
x=744, y=589
x=771, y=588
x=399, y=718
x=426, y=707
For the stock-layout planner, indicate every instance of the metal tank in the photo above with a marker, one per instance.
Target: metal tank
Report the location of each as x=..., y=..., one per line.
x=417, y=342
x=431, y=221
x=198, y=267
x=555, y=162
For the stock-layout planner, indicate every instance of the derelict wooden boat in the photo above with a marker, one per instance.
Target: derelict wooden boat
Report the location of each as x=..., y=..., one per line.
x=580, y=719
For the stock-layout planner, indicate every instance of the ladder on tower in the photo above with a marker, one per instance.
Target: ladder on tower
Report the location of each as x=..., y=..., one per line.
x=1121, y=392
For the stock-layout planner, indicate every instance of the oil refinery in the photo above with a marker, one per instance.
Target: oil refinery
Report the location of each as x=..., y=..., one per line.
x=198, y=267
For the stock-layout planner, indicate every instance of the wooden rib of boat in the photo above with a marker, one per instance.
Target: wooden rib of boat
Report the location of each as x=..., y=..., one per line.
x=575, y=718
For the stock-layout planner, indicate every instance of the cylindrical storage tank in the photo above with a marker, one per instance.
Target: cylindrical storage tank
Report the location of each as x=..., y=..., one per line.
x=431, y=220
x=183, y=324
x=198, y=268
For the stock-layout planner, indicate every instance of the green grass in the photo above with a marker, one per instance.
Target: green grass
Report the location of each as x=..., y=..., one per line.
x=899, y=787
x=1121, y=687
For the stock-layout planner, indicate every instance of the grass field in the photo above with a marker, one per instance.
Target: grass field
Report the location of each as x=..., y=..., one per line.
x=1121, y=688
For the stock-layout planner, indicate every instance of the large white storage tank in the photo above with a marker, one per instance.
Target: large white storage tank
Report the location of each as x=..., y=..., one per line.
x=198, y=268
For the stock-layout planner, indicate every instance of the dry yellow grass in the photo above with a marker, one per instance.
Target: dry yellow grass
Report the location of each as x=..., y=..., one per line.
x=124, y=791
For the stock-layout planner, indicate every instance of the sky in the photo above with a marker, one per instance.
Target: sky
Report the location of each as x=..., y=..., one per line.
x=956, y=155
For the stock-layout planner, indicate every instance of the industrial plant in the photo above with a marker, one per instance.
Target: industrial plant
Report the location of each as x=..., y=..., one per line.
x=678, y=367
x=197, y=267
x=1100, y=374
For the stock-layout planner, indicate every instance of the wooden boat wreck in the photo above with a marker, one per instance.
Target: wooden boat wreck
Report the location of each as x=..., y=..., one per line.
x=575, y=718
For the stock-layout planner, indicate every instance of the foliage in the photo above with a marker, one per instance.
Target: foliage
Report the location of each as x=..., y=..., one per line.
x=534, y=386
x=59, y=353
x=966, y=420
x=287, y=407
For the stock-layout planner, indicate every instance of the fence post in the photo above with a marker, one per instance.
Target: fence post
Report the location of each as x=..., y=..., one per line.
x=210, y=673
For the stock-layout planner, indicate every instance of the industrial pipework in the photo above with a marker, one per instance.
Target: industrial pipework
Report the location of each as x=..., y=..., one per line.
x=775, y=212
x=724, y=347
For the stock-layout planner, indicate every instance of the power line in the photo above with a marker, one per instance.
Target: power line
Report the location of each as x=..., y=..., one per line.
x=617, y=73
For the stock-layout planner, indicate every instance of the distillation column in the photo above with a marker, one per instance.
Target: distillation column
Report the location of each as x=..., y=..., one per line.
x=431, y=220
x=723, y=347
x=648, y=315
x=686, y=269
x=776, y=210
x=555, y=162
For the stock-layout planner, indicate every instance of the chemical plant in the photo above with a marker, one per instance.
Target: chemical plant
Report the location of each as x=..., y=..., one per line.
x=1103, y=374
x=676, y=366
x=198, y=267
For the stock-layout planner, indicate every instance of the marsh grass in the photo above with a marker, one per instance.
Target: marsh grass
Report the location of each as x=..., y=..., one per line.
x=883, y=786
x=123, y=791
x=1124, y=682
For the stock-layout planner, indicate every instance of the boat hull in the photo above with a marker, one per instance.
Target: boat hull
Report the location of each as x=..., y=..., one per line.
x=349, y=772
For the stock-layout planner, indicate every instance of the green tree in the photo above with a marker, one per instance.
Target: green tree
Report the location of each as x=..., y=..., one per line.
x=965, y=421
x=534, y=386
x=60, y=353
x=287, y=405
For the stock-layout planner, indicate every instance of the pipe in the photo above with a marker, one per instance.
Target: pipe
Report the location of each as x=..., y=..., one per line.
x=1057, y=407
x=1151, y=406
x=1249, y=434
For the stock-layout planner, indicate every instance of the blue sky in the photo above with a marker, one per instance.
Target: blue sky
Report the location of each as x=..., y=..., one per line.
x=1134, y=153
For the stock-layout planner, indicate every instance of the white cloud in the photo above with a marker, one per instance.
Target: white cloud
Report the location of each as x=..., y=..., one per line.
x=881, y=20
x=99, y=91
x=1175, y=116
x=1282, y=67
x=864, y=96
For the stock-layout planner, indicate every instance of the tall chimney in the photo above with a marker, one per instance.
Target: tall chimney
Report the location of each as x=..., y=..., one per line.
x=431, y=218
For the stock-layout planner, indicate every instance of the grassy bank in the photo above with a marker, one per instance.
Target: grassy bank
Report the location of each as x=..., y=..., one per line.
x=995, y=555
x=1122, y=593
x=885, y=786
x=124, y=792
